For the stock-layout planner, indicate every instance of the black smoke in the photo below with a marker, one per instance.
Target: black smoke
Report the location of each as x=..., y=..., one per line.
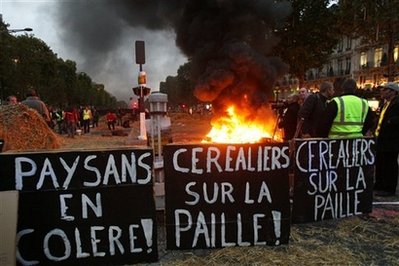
x=227, y=41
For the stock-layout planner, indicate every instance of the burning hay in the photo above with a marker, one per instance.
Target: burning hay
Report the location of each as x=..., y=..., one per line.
x=23, y=128
x=238, y=126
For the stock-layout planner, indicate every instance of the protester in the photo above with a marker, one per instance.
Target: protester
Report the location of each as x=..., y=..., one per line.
x=312, y=109
x=111, y=120
x=387, y=133
x=11, y=100
x=96, y=117
x=71, y=120
x=289, y=118
x=32, y=100
x=346, y=116
x=52, y=121
x=119, y=117
x=303, y=94
x=59, y=116
x=87, y=117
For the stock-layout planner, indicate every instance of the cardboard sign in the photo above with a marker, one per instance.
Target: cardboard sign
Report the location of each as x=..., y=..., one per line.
x=8, y=228
x=226, y=195
x=333, y=178
x=91, y=207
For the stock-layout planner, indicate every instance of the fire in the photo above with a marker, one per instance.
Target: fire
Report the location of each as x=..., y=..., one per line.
x=235, y=128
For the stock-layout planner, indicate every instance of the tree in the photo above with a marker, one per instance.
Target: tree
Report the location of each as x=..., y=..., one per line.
x=375, y=22
x=180, y=88
x=308, y=36
x=28, y=62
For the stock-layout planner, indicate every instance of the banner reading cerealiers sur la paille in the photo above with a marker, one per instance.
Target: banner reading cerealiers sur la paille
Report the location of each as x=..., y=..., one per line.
x=333, y=178
x=221, y=195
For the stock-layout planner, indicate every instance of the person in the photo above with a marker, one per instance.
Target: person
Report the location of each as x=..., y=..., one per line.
x=119, y=116
x=346, y=116
x=96, y=117
x=289, y=117
x=71, y=120
x=32, y=101
x=86, y=116
x=59, y=115
x=312, y=109
x=11, y=100
x=303, y=94
x=386, y=167
x=111, y=119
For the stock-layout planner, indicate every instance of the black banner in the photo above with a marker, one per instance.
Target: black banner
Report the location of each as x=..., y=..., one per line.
x=226, y=195
x=333, y=178
x=75, y=208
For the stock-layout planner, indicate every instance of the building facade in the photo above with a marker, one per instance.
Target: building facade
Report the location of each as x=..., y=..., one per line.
x=367, y=64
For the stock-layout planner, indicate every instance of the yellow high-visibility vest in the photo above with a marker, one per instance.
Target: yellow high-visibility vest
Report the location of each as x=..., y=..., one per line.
x=351, y=114
x=86, y=114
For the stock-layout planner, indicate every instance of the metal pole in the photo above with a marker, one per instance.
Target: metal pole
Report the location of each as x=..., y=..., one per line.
x=142, y=115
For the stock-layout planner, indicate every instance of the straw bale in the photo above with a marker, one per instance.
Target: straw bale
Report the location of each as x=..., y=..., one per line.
x=351, y=241
x=23, y=129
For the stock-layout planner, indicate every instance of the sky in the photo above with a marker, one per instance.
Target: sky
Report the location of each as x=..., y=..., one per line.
x=102, y=48
x=229, y=43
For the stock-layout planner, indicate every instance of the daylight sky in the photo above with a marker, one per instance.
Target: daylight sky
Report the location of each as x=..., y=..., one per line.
x=113, y=65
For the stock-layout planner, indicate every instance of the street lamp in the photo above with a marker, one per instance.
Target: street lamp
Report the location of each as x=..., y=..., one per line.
x=19, y=30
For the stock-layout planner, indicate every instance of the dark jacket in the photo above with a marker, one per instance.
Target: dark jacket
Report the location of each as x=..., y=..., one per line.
x=289, y=120
x=35, y=103
x=311, y=113
x=388, y=137
x=324, y=125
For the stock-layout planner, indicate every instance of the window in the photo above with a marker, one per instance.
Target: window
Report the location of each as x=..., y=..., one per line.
x=396, y=53
x=340, y=69
x=363, y=60
x=377, y=57
x=348, y=43
x=348, y=66
x=340, y=45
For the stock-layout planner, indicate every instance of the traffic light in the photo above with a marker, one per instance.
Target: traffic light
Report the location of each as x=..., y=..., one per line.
x=140, y=52
x=141, y=91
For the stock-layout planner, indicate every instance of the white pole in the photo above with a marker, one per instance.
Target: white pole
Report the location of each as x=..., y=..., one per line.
x=143, y=135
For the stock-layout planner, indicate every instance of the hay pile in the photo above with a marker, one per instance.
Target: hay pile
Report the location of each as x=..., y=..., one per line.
x=24, y=129
x=363, y=240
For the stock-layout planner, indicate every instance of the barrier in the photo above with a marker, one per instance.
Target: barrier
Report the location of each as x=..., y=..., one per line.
x=226, y=195
x=97, y=207
x=333, y=178
x=91, y=207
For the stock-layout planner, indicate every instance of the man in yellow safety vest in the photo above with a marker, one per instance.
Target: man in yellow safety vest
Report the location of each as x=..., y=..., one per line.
x=347, y=116
x=87, y=116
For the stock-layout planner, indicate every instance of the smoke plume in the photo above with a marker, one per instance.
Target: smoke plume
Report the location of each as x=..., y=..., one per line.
x=227, y=41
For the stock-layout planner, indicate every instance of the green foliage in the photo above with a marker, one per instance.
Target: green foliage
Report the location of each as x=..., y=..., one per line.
x=28, y=62
x=180, y=88
x=308, y=36
x=375, y=22
x=372, y=20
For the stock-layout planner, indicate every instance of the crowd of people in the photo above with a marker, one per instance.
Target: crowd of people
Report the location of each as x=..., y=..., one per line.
x=336, y=111
x=67, y=120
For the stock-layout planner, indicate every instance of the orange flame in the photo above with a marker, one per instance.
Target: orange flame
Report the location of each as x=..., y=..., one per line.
x=235, y=128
